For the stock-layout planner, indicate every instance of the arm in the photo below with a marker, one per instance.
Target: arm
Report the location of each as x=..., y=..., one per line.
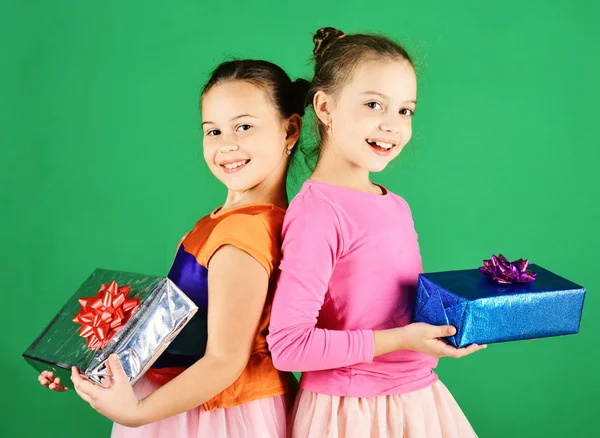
x=237, y=286
x=312, y=244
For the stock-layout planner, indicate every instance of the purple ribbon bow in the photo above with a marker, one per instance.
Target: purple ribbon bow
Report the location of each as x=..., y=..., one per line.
x=502, y=271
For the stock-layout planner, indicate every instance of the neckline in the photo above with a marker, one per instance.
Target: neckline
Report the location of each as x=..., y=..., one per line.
x=220, y=212
x=384, y=194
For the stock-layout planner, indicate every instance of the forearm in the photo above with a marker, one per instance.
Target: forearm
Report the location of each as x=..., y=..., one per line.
x=317, y=349
x=387, y=341
x=201, y=382
x=313, y=349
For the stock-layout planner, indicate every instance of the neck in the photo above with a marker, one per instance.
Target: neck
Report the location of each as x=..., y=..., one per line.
x=270, y=191
x=336, y=170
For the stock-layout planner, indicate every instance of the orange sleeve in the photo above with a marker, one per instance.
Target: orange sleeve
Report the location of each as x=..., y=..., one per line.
x=247, y=233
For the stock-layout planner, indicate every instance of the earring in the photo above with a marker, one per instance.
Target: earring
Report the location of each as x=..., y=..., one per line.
x=288, y=151
x=327, y=128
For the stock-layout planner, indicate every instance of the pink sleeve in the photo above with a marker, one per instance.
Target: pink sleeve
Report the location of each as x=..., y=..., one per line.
x=312, y=243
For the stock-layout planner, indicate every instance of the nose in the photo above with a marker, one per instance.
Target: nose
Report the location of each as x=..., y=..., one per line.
x=228, y=146
x=390, y=125
x=391, y=122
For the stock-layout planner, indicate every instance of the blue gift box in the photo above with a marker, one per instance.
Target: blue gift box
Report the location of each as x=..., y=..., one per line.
x=486, y=312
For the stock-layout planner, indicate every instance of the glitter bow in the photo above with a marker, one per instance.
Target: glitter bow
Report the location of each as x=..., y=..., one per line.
x=502, y=271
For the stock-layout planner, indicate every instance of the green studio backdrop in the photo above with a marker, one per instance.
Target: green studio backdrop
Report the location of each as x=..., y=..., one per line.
x=101, y=166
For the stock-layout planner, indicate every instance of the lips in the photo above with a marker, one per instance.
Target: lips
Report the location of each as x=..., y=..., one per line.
x=233, y=166
x=381, y=146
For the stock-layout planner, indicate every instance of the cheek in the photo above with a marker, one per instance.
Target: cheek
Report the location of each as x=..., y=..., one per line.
x=351, y=117
x=406, y=136
x=268, y=144
x=407, y=132
x=208, y=152
x=352, y=126
x=270, y=155
x=265, y=151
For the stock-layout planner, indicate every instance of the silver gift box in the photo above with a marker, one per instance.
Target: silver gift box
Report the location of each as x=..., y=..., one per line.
x=163, y=312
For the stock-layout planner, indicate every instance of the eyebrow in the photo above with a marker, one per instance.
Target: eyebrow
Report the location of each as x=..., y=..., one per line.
x=386, y=97
x=232, y=119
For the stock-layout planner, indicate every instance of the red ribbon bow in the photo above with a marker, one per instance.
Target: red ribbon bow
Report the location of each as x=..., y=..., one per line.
x=102, y=316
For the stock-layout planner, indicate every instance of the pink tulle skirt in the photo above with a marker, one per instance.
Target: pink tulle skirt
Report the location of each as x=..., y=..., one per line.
x=259, y=418
x=431, y=412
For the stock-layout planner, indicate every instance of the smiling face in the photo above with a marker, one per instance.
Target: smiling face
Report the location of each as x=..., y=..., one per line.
x=245, y=137
x=370, y=118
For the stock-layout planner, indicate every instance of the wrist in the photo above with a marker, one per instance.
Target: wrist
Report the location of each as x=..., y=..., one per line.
x=401, y=341
x=389, y=340
x=143, y=414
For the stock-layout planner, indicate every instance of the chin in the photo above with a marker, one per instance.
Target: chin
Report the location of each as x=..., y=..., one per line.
x=237, y=187
x=376, y=167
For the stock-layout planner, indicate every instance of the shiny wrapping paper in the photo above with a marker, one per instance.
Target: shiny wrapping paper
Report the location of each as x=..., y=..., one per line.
x=484, y=311
x=148, y=312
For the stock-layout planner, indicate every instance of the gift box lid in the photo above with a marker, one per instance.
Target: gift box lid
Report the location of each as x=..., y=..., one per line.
x=471, y=284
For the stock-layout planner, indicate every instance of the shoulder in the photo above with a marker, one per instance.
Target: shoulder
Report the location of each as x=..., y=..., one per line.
x=313, y=204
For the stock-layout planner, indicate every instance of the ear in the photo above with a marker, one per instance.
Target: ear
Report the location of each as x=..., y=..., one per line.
x=294, y=127
x=322, y=103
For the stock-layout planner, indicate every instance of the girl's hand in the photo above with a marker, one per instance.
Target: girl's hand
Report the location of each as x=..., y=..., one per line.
x=116, y=402
x=48, y=380
x=425, y=338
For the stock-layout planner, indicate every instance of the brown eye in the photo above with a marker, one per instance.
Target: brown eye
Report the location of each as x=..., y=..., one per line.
x=374, y=105
x=242, y=128
x=213, y=132
x=407, y=112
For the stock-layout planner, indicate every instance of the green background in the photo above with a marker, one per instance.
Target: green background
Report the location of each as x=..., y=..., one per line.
x=101, y=166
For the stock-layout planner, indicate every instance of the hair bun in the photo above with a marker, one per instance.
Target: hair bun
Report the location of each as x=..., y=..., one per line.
x=323, y=38
x=299, y=90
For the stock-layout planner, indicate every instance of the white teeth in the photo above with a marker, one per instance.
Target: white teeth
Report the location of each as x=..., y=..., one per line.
x=234, y=165
x=382, y=144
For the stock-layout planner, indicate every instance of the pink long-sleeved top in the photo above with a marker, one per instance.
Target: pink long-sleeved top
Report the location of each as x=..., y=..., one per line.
x=349, y=266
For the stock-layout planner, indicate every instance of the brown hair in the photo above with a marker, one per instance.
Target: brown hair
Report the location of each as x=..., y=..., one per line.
x=337, y=56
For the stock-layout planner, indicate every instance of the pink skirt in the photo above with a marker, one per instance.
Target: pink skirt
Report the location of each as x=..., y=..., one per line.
x=259, y=418
x=431, y=412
